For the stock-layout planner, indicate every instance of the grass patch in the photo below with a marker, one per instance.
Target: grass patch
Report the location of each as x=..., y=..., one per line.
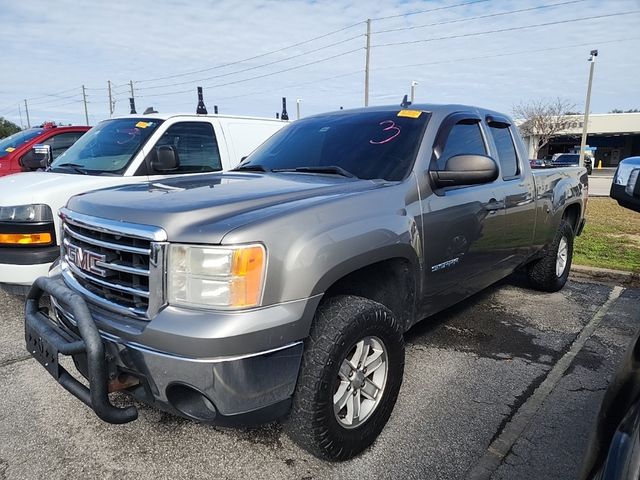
x=611, y=237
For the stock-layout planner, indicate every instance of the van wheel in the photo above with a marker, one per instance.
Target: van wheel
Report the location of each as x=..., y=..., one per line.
x=551, y=272
x=349, y=379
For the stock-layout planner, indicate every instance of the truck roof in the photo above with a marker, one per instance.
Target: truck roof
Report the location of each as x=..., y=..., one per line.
x=166, y=116
x=427, y=107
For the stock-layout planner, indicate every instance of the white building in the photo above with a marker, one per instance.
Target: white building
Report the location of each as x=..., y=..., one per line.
x=610, y=136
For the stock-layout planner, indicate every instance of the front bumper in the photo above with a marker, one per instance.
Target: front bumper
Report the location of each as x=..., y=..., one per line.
x=21, y=266
x=245, y=389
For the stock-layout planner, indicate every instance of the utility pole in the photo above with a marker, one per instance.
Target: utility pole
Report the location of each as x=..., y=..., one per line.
x=131, y=86
x=26, y=110
x=84, y=99
x=298, y=100
x=583, y=142
x=366, y=64
x=110, y=99
x=413, y=90
x=20, y=113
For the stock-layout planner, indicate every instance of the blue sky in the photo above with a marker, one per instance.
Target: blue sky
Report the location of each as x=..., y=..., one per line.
x=55, y=47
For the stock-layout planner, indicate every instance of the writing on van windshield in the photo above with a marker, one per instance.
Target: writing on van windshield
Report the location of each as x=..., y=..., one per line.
x=393, y=130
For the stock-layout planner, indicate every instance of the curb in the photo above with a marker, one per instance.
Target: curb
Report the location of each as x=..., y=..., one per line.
x=605, y=275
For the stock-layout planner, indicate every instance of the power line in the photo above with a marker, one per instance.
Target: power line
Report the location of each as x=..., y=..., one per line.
x=508, y=29
x=431, y=10
x=289, y=86
x=478, y=17
x=495, y=55
x=177, y=75
x=54, y=94
x=251, y=68
x=259, y=76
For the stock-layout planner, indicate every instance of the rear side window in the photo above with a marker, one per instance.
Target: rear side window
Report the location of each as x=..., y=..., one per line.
x=463, y=139
x=196, y=145
x=506, y=151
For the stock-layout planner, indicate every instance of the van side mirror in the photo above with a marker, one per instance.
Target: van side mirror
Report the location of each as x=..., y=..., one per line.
x=626, y=184
x=38, y=157
x=165, y=159
x=466, y=170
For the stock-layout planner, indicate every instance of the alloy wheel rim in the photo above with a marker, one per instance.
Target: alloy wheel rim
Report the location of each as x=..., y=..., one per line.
x=561, y=258
x=360, y=383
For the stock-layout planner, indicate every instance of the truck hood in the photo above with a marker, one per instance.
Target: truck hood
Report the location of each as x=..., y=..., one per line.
x=205, y=208
x=42, y=187
x=53, y=189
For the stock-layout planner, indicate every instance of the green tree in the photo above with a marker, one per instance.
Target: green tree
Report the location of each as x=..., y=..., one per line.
x=7, y=128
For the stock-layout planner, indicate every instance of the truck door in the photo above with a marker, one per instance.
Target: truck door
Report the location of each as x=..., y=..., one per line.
x=517, y=187
x=462, y=225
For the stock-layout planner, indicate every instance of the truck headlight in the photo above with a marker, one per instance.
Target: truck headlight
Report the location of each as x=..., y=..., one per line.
x=25, y=225
x=216, y=277
x=26, y=213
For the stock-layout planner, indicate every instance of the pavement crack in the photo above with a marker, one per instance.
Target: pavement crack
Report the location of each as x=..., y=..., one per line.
x=11, y=361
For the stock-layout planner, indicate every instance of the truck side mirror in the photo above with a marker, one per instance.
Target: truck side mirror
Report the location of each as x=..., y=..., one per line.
x=466, y=170
x=165, y=159
x=38, y=157
x=626, y=184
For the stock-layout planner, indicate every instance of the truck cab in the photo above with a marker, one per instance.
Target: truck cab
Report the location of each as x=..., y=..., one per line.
x=16, y=149
x=129, y=149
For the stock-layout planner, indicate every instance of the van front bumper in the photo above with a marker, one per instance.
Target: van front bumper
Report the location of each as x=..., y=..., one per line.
x=246, y=389
x=21, y=266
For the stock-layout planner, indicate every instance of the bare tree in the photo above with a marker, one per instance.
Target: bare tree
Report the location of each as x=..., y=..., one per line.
x=543, y=119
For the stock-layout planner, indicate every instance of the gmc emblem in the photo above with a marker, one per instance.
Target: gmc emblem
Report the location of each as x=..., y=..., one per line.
x=86, y=260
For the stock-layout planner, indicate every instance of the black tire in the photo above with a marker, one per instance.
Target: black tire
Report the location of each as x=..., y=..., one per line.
x=542, y=272
x=340, y=323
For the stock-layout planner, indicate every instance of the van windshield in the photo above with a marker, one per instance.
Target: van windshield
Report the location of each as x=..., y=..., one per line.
x=107, y=148
x=9, y=144
x=367, y=145
x=567, y=158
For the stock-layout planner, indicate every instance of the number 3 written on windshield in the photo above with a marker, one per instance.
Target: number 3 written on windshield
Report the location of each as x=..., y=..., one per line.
x=391, y=127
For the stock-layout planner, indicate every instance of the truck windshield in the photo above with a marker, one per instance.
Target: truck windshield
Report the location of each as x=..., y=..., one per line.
x=107, y=148
x=367, y=145
x=9, y=144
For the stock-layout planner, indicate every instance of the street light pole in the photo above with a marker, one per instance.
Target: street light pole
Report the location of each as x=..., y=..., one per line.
x=583, y=142
x=298, y=100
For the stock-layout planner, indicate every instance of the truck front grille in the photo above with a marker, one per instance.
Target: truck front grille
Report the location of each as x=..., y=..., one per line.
x=120, y=270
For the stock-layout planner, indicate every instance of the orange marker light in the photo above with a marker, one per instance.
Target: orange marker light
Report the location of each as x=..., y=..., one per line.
x=25, y=238
x=247, y=270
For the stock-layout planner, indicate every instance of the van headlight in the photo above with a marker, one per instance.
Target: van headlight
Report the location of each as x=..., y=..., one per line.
x=26, y=225
x=229, y=277
x=26, y=213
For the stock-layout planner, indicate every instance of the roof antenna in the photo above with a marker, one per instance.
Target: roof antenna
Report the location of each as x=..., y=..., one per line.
x=150, y=110
x=132, y=103
x=201, y=109
x=285, y=115
x=277, y=116
x=405, y=102
x=215, y=109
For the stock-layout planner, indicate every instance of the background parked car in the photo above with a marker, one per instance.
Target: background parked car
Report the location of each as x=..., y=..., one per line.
x=571, y=160
x=16, y=151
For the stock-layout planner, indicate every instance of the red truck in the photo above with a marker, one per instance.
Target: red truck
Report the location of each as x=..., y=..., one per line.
x=16, y=150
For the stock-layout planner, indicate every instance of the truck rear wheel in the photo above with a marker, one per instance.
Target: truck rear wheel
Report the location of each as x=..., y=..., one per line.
x=349, y=379
x=551, y=272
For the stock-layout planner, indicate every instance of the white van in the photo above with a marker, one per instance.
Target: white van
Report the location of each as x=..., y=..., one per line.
x=123, y=150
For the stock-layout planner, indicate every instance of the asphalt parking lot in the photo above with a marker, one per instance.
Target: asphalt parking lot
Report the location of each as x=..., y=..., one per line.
x=504, y=386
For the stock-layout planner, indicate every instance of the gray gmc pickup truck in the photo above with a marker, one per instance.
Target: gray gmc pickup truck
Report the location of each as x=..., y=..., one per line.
x=282, y=289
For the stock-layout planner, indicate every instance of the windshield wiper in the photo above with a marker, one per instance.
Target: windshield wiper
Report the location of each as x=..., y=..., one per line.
x=72, y=166
x=250, y=168
x=330, y=169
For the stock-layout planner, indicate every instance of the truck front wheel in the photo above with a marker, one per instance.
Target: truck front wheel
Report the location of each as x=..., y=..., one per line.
x=551, y=272
x=349, y=379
